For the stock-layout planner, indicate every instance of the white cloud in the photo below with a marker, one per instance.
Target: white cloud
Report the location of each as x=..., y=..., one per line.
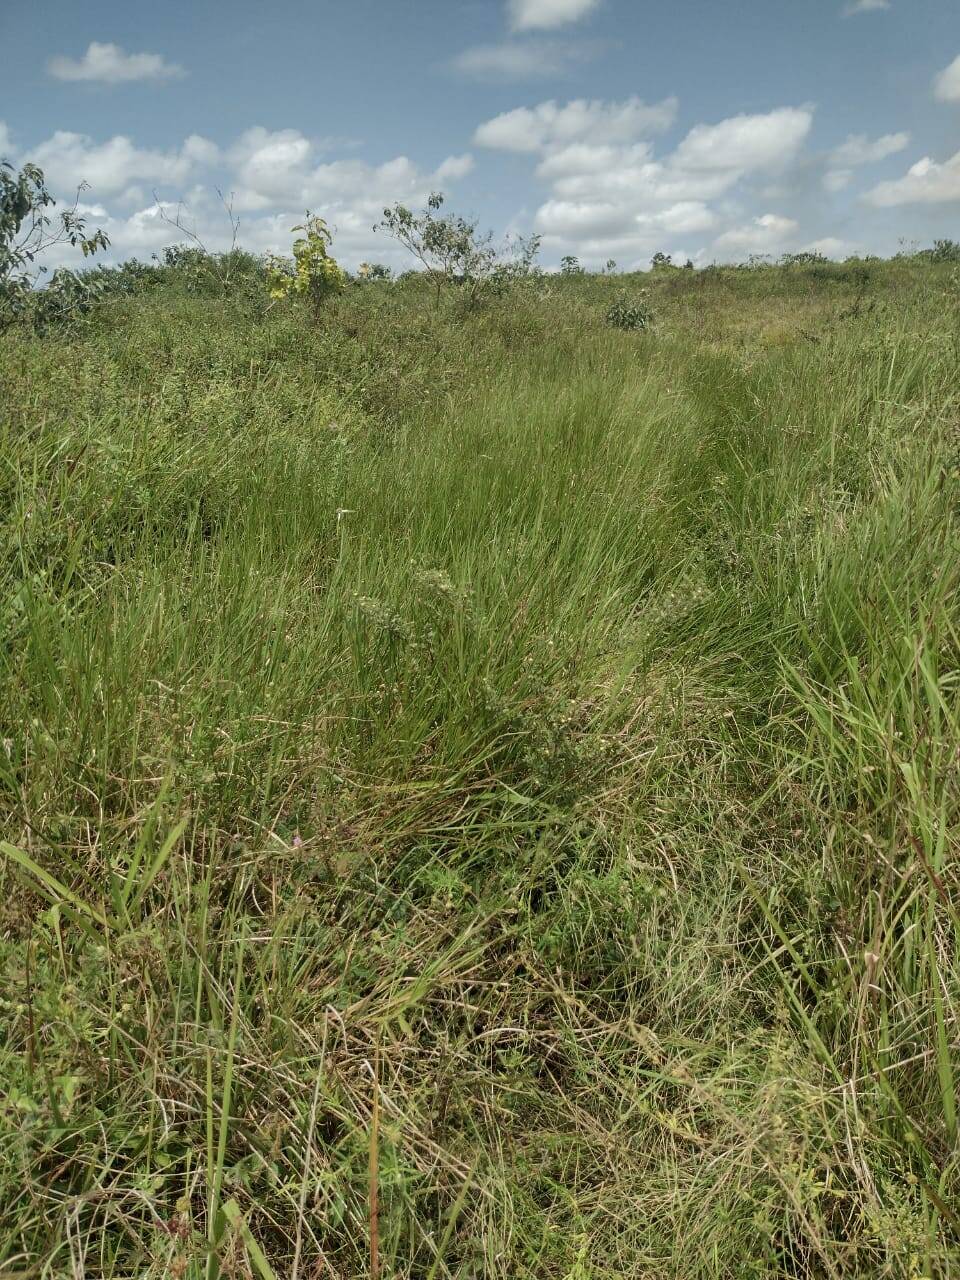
x=947, y=84
x=200, y=151
x=865, y=6
x=6, y=142
x=858, y=149
x=926, y=182
x=610, y=194
x=455, y=167
x=146, y=230
x=68, y=159
x=573, y=219
x=271, y=177
x=581, y=159
x=684, y=218
x=526, y=60
x=370, y=185
x=599, y=229
x=270, y=166
x=529, y=15
x=109, y=64
x=132, y=196
x=765, y=234
x=531, y=129
x=708, y=162
x=281, y=168
x=831, y=247
x=747, y=142
x=596, y=219
x=609, y=191
x=632, y=178
x=141, y=234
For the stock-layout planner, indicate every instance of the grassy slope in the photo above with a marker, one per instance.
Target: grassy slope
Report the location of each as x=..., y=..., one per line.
x=558, y=725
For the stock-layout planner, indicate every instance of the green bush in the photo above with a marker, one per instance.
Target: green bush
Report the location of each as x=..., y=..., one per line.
x=27, y=233
x=67, y=298
x=627, y=313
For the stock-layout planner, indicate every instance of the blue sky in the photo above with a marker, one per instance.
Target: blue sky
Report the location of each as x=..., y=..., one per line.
x=615, y=128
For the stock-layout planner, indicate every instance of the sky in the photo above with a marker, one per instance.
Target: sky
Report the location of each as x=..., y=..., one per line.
x=614, y=129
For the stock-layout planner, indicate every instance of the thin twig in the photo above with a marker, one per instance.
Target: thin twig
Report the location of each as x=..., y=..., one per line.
x=375, y=1169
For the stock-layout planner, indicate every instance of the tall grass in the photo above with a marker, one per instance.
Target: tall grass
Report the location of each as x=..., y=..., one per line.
x=500, y=770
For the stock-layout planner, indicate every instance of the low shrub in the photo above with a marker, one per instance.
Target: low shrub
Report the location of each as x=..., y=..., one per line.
x=629, y=313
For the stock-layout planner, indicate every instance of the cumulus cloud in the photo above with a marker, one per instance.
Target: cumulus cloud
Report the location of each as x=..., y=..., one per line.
x=687, y=217
x=139, y=235
x=865, y=6
x=109, y=64
x=522, y=60
x=571, y=220
x=283, y=170
x=947, y=84
x=455, y=167
x=281, y=167
x=270, y=165
x=147, y=230
x=858, y=149
x=611, y=189
x=583, y=159
x=926, y=182
x=837, y=179
x=69, y=159
x=831, y=247
x=765, y=234
x=746, y=142
x=633, y=177
x=610, y=193
x=270, y=176
x=532, y=15
x=531, y=129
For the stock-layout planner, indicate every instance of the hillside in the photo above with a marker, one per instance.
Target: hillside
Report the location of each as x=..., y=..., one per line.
x=492, y=774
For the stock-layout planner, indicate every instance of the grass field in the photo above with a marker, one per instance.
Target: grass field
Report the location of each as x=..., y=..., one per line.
x=481, y=793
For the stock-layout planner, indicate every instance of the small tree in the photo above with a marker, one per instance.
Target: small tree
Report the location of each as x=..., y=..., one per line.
x=453, y=253
x=570, y=266
x=660, y=261
x=27, y=231
x=374, y=271
x=199, y=266
x=316, y=275
x=944, y=251
x=627, y=313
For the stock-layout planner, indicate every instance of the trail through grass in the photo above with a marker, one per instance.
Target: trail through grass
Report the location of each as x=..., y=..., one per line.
x=519, y=754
